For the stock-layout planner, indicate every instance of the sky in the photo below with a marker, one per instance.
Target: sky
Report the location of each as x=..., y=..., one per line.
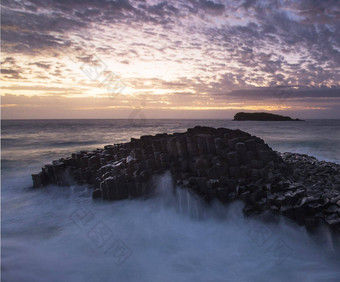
x=169, y=59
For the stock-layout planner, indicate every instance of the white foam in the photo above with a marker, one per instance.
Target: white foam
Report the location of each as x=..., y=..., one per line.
x=54, y=235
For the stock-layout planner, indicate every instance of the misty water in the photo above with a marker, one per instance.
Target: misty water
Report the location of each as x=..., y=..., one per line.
x=61, y=234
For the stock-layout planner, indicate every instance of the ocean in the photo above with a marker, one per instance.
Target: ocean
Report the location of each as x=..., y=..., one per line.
x=61, y=234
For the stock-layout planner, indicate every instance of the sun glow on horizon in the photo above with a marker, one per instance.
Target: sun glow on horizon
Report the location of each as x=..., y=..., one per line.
x=179, y=56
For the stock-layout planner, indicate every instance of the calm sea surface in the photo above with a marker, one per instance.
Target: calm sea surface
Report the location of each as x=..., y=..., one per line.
x=60, y=234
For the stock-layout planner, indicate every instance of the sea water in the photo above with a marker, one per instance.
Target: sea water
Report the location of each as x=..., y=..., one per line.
x=61, y=234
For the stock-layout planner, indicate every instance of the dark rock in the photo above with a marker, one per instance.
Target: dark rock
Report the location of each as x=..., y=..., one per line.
x=251, y=156
x=192, y=146
x=311, y=222
x=232, y=142
x=49, y=171
x=280, y=200
x=211, y=145
x=241, y=152
x=181, y=147
x=250, y=210
x=262, y=117
x=202, y=145
x=335, y=199
x=219, y=145
x=96, y=194
x=264, y=155
x=222, y=194
x=84, y=161
x=291, y=198
x=215, y=163
x=172, y=146
x=232, y=159
x=94, y=162
x=332, y=209
x=256, y=164
x=37, y=180
x=202, y=163
x=234, y=171
x=333, y=219
x=287, y=210
x=250, y=144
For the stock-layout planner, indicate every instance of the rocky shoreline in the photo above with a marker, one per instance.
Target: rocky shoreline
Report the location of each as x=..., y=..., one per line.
x=221, y=164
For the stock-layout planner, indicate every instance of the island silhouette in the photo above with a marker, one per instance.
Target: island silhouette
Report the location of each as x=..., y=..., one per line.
x=241, y=116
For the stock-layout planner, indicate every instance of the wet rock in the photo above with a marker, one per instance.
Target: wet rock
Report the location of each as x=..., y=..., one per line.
x=256, y=164
x=333, y=219
x=202, y=145
x=37, y=180
x=255, y=173
x=315, y=207
x=335, y=199
x=192, y=146
x=311, y=222
x=202, y=184
x=211, y=145
x=156, y=146
x=257, y=195
x=84, y=161
x=241, y=152
x=331, y=209
x=213, y=172
x=264, y=155
x=287, y=210
x=49, y=172
x=232, y=159
x=96, y=194
x=104, y=190
x=244, y=171
x=222, y=194
x=250, y=156
x=250, y=210
x=219, y=145
x=215, y=163
x=58, y=171
x=172, y=146
x=234, y=171
x=94, y=163
x=251, y=144
x=280, y=200
x=291, y=198
x=181, y=147
x=120, y=188
x=202, y=163
x=232, y=142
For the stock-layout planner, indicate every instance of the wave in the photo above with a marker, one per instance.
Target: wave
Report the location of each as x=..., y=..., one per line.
x=59, y=233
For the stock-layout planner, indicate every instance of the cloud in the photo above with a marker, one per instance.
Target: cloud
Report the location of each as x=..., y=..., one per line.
x=211, y=7
x=43, y=65
x=9, y=60
x=12, y=74
x=318, y=11
x=284, y=92
x=203, y=49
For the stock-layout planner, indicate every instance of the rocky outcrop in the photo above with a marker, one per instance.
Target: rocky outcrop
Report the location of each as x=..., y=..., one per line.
x=262, y=117
x=214, y=163
x=321, y=182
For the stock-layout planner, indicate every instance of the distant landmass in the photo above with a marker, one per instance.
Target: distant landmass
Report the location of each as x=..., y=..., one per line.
x=263, y=117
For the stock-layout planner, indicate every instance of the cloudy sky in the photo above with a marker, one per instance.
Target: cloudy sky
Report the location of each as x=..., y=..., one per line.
x=169, y=59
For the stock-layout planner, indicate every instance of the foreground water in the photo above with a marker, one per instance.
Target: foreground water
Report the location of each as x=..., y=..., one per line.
x=60, y=234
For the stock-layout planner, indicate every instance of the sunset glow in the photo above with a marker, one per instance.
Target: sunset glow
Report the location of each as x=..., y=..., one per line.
x=169, y=59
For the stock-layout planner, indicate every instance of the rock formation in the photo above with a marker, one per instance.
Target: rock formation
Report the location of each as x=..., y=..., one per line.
x=214, y=163
x=262, y=117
